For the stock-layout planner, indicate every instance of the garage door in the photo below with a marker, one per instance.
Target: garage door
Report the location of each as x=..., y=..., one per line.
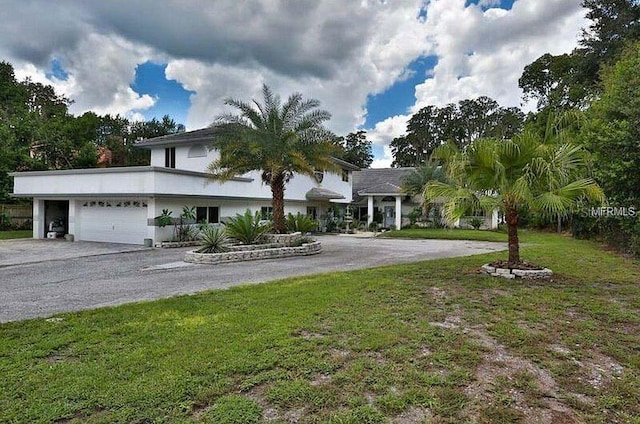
x=115, y=221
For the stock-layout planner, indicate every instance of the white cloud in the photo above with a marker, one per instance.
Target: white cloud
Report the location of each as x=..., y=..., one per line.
x=337, y=52
x=385, y=161
x=483, y=53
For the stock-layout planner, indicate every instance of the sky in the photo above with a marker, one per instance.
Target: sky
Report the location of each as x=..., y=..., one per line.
x=371, y=63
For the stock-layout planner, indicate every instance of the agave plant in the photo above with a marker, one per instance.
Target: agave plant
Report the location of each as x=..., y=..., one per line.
x=301, y=223
x=214, y=239
x=247, y=228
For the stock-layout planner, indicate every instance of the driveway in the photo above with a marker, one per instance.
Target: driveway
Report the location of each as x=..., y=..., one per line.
x=42, y=277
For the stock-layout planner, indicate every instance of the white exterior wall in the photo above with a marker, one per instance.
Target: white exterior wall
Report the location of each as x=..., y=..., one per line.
x=165, y=188
x=147, y=181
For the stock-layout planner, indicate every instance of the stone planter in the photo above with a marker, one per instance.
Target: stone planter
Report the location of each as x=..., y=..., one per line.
x=525, y=274
x=306, y=249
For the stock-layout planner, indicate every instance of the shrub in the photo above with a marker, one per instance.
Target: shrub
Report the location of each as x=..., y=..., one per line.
x=214, y=239
x=164, y=218
x=373, y=226
x=476, y=223
x=301, y=223
x=247, y=228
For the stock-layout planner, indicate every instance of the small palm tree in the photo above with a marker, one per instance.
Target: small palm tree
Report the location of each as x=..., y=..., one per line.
x=277, y=139
x=548, y=177
x=415, y=182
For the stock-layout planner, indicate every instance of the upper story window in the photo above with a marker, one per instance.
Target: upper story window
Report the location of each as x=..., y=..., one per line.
x=197, y=151
x=345, y=175
x=170, y=157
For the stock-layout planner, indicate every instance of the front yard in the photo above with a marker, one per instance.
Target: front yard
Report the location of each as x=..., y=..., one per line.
x=426, y=342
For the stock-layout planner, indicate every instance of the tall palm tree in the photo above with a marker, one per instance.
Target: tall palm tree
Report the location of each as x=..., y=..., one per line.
x=548, y=177
x=275, y=138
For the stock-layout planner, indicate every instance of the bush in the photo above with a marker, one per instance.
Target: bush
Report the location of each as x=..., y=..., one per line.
x=214, y=239
x=247, y=228
x=476, y=222
x=373, y=226
x=301, y=223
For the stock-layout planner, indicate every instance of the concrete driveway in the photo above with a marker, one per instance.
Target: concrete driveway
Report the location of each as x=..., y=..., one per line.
x=42, y=277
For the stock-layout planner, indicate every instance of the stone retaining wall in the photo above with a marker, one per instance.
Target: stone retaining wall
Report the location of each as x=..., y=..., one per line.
x=527, y=274
x=283, y=239
x=306, y=249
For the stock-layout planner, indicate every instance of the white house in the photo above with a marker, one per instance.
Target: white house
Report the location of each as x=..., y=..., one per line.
x=120, y=204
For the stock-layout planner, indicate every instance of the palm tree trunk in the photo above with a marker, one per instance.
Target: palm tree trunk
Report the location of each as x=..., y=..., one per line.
x=511, y=217
x=277, y=193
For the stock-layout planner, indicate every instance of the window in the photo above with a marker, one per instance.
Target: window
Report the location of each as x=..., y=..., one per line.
x=209, y=214
x=266, y=212
x=170, y=157
x=319, y=175
x=345, y=175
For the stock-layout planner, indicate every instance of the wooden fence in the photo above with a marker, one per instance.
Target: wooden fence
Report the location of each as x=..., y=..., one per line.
x=16, y=216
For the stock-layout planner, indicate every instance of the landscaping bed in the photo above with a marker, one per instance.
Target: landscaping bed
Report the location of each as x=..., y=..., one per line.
x=254, y=252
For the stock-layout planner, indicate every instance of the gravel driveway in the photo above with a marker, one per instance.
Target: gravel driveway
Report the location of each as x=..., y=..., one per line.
x=39, y=277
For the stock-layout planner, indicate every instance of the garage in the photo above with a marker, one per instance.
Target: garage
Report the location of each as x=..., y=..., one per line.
x=114, y=221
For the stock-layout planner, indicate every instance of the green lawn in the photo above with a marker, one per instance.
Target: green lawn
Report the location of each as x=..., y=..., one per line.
x=431, y=341
x=5, y=235
x=447, y=234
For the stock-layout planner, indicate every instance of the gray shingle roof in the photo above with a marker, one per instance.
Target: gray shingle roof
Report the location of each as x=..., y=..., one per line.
x=202, y=135
x=387, y=181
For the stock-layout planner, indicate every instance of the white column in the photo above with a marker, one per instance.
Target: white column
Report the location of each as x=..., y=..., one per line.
x=398, y=212
x=73, y=211
x=38, y=219
x=494, y=219
x=369, y=210
x=152, y=230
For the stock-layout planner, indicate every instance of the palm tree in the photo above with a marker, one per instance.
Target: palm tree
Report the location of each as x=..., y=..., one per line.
x=415, y=182
x=544, y=174
x=277, y=139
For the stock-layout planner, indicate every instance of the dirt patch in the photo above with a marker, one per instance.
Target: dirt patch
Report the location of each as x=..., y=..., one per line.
x=413, y=415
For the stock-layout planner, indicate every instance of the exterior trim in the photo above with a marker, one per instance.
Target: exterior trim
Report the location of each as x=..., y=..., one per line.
x=123, y=169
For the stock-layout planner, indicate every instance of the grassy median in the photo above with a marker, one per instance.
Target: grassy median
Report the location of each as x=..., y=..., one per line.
x=428, y=342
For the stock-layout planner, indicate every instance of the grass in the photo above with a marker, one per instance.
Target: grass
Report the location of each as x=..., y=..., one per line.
x=447, y=234
x=431, y=341
x=6, y=235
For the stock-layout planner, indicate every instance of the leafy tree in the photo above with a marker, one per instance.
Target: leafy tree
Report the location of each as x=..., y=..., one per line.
x=526, y=171
x=571, y=80
x=278, y=139
x=612, y=131
x=463, y=123
x=356, y=149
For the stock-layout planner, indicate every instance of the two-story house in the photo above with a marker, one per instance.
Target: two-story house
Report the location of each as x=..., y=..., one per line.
x=120, y=204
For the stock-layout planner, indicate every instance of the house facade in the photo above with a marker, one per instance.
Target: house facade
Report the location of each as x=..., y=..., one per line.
x=378, y=194
x=120, y=204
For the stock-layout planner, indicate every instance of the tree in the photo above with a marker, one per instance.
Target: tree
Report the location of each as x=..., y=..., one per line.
x=612, y=130
x=275, y=138
x=526, y=171
x=356, y=149
x=463, y=123
x=571, y=80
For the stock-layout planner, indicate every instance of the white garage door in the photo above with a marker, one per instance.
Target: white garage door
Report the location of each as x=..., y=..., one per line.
x=115, y=221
